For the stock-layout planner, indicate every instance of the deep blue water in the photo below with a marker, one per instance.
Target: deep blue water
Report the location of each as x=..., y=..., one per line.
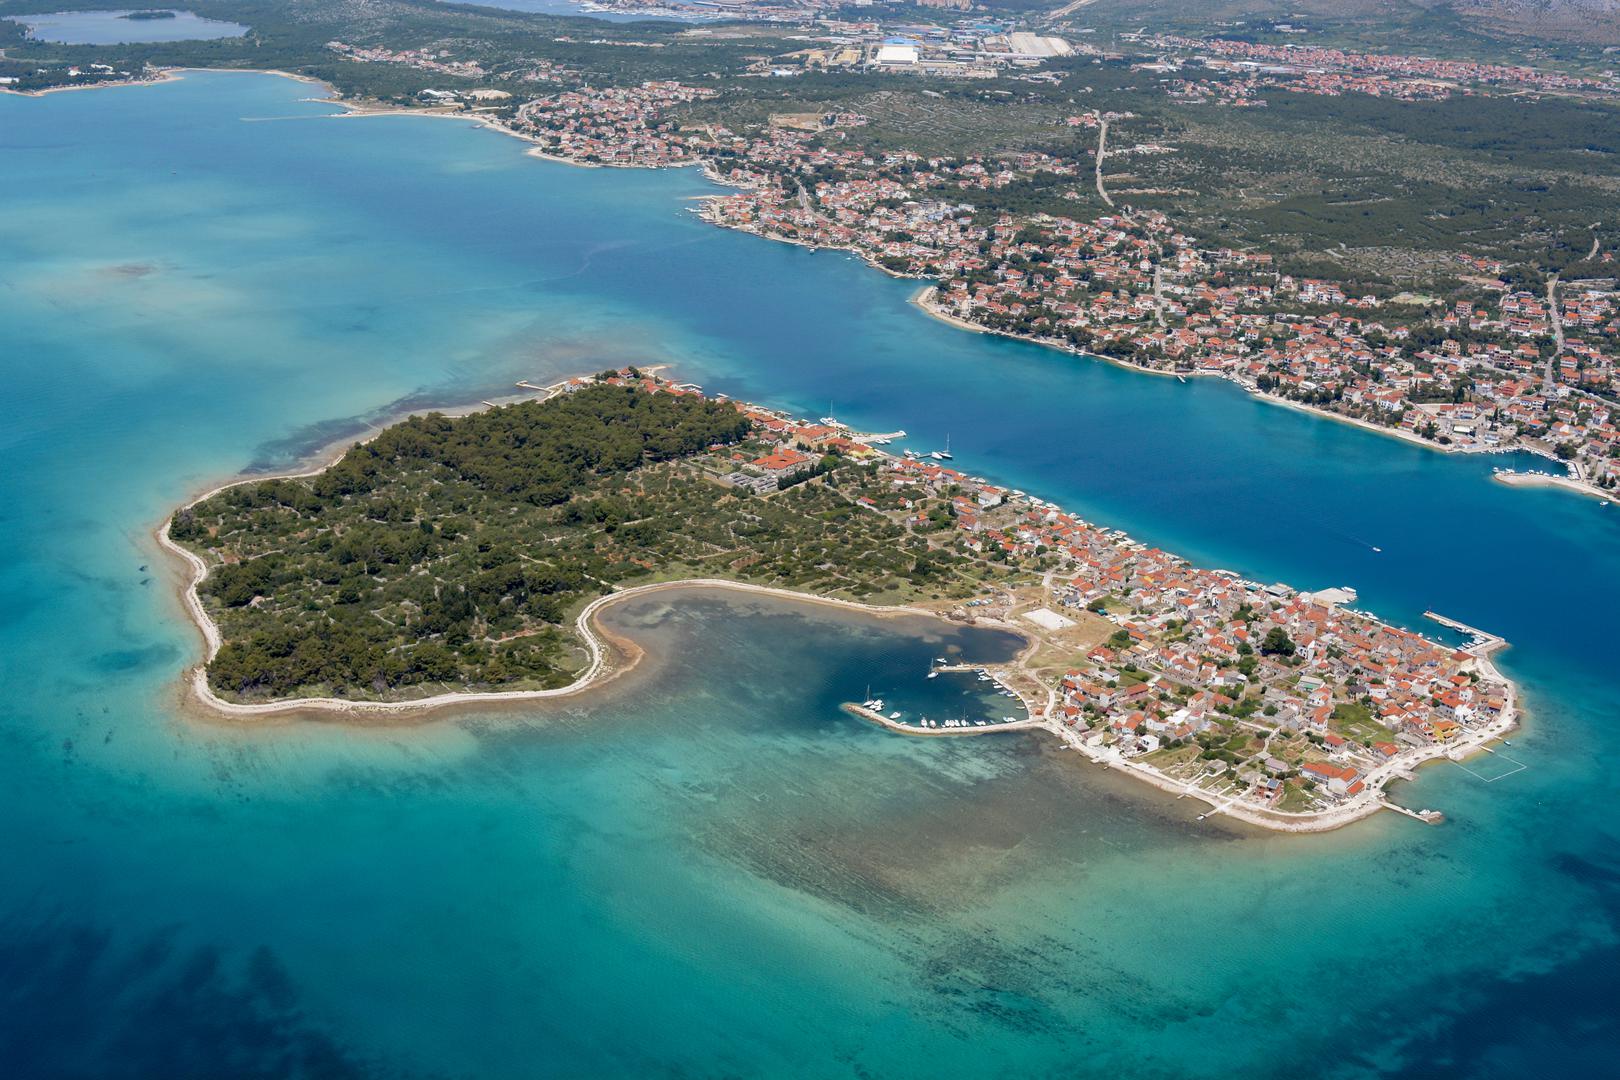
x=709, y=869
x=112, y=28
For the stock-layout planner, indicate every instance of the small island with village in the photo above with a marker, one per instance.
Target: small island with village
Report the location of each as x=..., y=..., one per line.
x=456, y=560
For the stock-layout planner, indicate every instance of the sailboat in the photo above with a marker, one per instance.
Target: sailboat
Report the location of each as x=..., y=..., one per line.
x=945, y=454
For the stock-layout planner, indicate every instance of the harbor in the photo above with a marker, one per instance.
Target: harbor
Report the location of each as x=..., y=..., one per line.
x=980, y=727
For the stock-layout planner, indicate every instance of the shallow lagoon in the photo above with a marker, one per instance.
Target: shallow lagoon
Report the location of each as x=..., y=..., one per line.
x=710, y=868
x=116, y=28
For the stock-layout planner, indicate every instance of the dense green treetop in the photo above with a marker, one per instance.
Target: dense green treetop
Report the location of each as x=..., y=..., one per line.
x=452, y=554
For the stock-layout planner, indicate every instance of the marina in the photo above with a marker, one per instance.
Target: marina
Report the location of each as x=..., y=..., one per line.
x=958, y=726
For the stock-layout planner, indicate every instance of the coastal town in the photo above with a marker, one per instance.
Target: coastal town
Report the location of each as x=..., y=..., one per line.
x=1381, y=70
x=455, y=560
x=1511, y=358
x=1509, y=370
x=1287, y=709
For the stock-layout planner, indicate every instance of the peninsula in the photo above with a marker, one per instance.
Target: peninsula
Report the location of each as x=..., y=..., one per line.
x=459, y=560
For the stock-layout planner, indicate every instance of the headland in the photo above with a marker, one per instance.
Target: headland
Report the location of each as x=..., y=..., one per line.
x=418, y=573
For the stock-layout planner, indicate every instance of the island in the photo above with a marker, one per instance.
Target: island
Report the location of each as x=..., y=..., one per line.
x=456, y=560
x=144, y=16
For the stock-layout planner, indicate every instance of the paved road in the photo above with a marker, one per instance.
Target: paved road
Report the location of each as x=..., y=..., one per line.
x=1102, y=152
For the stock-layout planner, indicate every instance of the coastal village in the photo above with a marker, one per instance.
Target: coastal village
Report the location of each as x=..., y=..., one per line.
x=1259, y=699
x=1284, y=708
x=1509, y=367
x=1510, y=370
x=1382, y=69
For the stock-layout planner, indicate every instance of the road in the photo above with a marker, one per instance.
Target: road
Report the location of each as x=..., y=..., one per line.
x=1557, y=320
x=1158, y=289
x=1102, y=152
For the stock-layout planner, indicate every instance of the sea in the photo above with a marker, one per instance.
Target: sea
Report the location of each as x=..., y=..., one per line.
x=117, y=28
x=706, y=868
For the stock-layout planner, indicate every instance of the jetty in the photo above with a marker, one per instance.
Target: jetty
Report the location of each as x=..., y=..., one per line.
x=1481, y=643
x=1428, y=817
x=990, y=728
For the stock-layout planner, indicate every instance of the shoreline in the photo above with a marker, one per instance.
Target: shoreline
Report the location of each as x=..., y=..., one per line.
x=601, y=668
x=612, y=655
x=925, y=298
x=164, y=75
x=325, y=455
x=596, y=672
x=312, y=463
x=1365, y=805
x=602, y=644
x=1566, y=483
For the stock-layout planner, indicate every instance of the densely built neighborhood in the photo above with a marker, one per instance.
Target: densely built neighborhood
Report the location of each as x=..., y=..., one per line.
x=1290, y=708
x=1510, y=369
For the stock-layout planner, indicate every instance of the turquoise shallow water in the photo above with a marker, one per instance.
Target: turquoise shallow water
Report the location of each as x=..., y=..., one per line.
x=708, y=870
x=112, y=28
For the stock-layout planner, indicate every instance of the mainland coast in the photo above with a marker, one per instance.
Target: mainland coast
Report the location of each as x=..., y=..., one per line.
x=926, y=299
